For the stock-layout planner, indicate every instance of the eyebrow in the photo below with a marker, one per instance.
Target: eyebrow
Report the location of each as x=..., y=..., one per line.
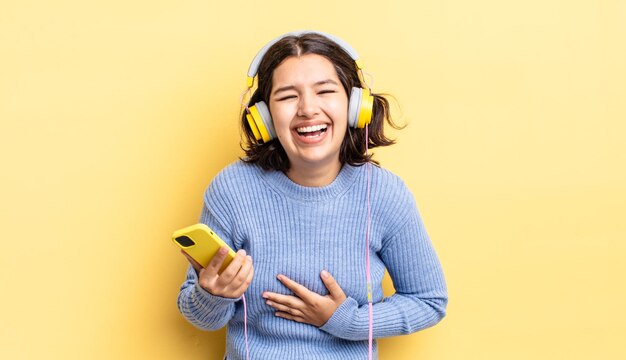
x=291, y=87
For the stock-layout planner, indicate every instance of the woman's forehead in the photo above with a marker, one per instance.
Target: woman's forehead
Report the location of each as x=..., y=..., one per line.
x=305, y=69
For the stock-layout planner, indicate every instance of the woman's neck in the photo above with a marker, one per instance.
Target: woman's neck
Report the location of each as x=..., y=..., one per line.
x=314, y=176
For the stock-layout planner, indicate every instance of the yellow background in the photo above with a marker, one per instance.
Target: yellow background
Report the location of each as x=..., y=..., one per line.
x=115, y=115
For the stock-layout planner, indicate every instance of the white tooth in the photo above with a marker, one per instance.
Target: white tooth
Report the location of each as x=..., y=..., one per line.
x=311, y=128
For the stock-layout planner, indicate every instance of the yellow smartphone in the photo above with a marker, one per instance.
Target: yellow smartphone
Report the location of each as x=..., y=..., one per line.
x=201, y=243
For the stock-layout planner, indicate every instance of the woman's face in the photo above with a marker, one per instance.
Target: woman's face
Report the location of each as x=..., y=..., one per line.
x=309, y=107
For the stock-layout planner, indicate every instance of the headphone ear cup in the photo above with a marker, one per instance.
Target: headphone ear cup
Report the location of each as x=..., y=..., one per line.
x=261, y=122
x=360, y=108
x=354, y=106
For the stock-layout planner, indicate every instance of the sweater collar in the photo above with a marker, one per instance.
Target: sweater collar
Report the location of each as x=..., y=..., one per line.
x=284, y=185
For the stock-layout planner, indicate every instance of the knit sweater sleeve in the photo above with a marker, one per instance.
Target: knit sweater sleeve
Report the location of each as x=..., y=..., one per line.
x=199, y=307
x=421, y=296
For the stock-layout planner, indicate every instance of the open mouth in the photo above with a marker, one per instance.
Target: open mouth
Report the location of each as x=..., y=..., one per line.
x=312, y=131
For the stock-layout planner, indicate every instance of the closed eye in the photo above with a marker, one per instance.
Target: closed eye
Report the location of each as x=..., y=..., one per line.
x=286, y=97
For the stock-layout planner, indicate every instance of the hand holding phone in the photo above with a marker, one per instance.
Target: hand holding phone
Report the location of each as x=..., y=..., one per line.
x=201, y=244
x=223, y=274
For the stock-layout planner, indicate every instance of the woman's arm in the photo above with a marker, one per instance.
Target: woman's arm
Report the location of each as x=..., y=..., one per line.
x=421, y=295
x=202, y=308
x=199, y=307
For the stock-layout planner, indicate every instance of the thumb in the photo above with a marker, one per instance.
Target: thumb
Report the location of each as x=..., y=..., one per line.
x=333, y=287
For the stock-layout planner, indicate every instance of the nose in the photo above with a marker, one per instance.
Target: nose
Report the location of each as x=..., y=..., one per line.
x=307, y=106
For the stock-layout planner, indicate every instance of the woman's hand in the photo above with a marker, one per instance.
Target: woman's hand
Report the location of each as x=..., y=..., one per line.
x=232, y=282
x=306, y=306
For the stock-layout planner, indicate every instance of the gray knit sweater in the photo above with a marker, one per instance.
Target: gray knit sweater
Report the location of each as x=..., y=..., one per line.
x=298, y=231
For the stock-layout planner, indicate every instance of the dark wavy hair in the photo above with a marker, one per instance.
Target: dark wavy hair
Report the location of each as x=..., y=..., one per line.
x=271, y=155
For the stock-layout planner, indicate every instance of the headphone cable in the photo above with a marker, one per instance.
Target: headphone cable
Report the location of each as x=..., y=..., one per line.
x=370, y=336
x=245, y=325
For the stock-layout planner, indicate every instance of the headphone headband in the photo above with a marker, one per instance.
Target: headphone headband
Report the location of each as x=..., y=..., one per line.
x=254, y=66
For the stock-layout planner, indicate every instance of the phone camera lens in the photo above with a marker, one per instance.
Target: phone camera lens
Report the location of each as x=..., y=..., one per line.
x=185, y=241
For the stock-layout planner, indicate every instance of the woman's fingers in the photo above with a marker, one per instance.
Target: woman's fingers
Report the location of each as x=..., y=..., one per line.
x=249, y=272
x=299, y=290
x=233, y=281
x=216, y=262
x=284, y=308
x=336, y=292
x=305, y=305
x=233, y=268
x=193, y=262
x=288, y=300
x=242, y=275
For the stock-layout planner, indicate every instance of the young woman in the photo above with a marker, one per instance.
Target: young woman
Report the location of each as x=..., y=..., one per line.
x=311, y=219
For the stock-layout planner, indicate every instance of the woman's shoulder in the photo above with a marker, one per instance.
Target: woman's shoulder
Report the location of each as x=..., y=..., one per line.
x=234, y=178
x=390, y=193
x=391, y=182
